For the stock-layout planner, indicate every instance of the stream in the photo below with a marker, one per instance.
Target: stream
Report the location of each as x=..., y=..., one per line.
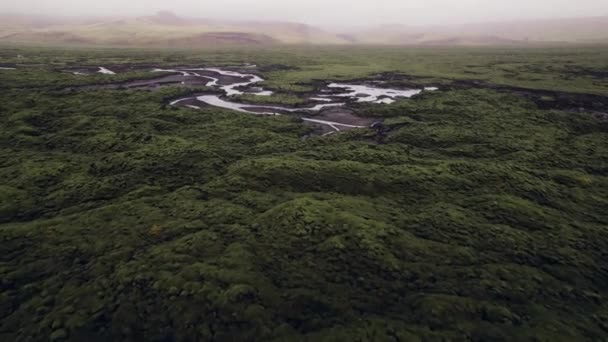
x=103, y=70
x=334, y=96
x=231, y=83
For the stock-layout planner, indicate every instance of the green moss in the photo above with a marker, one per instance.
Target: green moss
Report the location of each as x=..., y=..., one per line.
x=469, y=214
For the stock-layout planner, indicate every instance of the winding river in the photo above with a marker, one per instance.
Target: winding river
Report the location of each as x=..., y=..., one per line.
x=243, y=83
x=233, y=83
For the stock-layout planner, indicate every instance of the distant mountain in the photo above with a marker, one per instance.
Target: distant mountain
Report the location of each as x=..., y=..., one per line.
x=162, y=29
x=574, y=30
x=165, y=29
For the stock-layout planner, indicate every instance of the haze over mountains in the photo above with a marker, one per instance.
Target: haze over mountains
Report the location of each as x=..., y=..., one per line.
x=166, y=29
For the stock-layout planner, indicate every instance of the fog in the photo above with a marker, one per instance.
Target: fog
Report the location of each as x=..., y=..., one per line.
x=328, y=13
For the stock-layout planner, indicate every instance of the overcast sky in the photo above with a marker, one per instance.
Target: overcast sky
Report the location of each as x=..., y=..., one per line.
x=324, y=12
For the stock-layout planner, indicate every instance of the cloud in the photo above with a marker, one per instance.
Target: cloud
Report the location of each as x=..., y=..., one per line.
x=324, y=12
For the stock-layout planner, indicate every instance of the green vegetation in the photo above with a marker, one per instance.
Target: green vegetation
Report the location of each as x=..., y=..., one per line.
x=469, y=214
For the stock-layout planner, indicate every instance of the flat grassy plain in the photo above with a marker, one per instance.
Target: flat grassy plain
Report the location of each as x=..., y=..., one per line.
x=475, y=212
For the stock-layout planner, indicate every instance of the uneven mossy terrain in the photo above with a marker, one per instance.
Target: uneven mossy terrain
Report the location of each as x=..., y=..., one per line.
x=472, y=213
